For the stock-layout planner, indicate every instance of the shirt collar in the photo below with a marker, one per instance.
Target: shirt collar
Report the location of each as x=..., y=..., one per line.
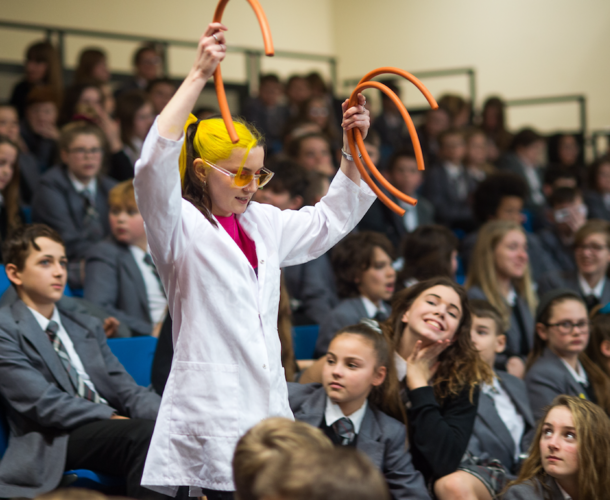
x=333, y=413
x=137, y=252
x=44, y=322
x=586, y=288
x=401, y=366
x=511, y=298
x=79, y=186
x=371, y=309
x=580, y=375
x=563, y=492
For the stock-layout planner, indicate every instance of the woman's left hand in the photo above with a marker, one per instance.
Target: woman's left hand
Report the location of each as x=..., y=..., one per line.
x=355, y=117
x=423, y=362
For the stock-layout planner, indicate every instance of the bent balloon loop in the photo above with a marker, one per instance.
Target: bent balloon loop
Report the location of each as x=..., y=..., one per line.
x=355, y=137
x=218, y=83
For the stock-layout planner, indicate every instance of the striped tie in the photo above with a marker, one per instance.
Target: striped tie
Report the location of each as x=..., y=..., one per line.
x=344, y=428
x=82, y=389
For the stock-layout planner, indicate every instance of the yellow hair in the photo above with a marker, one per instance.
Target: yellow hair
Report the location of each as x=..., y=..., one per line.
x=212, y=143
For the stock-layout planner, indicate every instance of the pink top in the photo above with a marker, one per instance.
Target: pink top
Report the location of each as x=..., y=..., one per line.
x=232, y=226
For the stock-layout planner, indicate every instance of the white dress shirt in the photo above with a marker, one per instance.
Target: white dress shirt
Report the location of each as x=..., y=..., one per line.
x=333, y=413
x=67, y=342
x=507, y=411
x=410, y=219
x=580, y=375
x=457, y=177
x=157, y=303
x=596, y=291
x=531, y=176
x=371, y=308
x=401, y=366
x=80, y=187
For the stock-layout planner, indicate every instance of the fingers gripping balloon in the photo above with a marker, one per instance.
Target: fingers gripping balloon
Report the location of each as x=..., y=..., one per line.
x=218, y=83
x=355, y=137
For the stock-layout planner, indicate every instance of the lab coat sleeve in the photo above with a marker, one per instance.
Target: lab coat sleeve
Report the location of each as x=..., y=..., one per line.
x=308, y=233
x=159, y=195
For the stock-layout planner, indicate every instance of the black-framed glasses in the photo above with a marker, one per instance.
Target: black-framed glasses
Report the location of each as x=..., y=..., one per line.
x=594, y=247
x=566, y=327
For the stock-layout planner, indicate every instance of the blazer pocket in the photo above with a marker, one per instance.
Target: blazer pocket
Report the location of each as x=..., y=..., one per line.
x=205, y=399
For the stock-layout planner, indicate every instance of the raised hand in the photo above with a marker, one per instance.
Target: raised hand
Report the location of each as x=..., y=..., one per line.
x=355, y=117
x=211, y=50
x=423, y=362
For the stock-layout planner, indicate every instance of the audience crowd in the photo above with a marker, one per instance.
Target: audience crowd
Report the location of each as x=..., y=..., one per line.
x=463, y=348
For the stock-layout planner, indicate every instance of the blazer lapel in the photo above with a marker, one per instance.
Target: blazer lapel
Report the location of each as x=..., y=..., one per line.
x=132, y=268
x=605, y=298
x=359, y=308
x=560, y=367
x=30, y=329
x=488, y=413
x=312, y=410
x=75, y=201
x=520, y=401
x=369, y=438
x=529, y=325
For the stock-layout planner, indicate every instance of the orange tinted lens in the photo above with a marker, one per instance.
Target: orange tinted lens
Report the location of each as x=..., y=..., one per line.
x=243, y=178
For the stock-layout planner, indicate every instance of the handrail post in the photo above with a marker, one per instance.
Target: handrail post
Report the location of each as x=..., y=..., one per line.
x=61, y=51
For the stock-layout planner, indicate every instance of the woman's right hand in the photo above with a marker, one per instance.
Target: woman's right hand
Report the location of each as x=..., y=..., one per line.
x=210, y=51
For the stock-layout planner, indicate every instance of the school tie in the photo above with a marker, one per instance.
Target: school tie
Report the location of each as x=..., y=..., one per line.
x=591, y=301
x=380, y=316
x=344, y=428
x=82, y=389
x=149, y=262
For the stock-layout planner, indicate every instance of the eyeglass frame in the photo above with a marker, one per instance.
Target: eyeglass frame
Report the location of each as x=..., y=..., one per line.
x=580, y=325
x=233, y=175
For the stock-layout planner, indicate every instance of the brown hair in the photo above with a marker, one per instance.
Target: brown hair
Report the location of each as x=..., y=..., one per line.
x=128, y=104
x=294, y=146
x=87, y=61
x=593, y=442
x=43, y=93
x=600, y=382
x=273, y=438
x=337, y=474
x=483, y=309
x=386, y=396
x=354, y=255
x=460, y=365
x=45, y=52
x=19, y=244
x=284, y=329
x=594, y=169
x=600, y=331
x=11, y=192
x=73, y=95
x=122, y=195
x=72, y=130
x=592, y=226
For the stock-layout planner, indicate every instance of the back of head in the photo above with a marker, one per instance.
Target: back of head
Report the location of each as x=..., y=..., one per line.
x=336, y=474
x=483, y=309
x=489, y=193
x=525, y=138
x=563, y=196
x=274, y=439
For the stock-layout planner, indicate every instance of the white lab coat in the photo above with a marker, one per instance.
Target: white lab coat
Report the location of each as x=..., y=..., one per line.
x=226, y=374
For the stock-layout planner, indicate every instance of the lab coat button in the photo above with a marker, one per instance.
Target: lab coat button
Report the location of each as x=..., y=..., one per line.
x=262, y=261
x=264, y=367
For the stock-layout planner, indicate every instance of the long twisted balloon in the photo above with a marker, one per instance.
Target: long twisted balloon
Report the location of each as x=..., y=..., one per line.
x=355, y=137
x=218, y=83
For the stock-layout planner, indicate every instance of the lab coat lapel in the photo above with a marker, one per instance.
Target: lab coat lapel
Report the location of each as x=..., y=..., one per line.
x=261, y=249
x=312, y=410
x=369, y=438
x=32, y=332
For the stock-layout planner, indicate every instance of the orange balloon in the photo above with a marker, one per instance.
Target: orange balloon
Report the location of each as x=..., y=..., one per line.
x=355, y=137
x=218, y=83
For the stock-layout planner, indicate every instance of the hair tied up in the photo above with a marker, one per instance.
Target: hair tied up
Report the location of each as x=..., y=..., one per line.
x=372, y=324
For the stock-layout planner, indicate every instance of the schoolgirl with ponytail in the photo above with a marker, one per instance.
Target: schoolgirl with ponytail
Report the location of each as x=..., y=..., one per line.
x=358, y=404
x=219, y=256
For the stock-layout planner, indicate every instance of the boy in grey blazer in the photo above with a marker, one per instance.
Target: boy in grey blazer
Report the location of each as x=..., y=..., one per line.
x=70, y=404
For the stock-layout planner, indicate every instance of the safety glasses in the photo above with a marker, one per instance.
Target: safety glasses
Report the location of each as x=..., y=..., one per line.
x=244, y=177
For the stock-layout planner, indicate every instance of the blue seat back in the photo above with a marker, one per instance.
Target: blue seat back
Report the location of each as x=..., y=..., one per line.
x=304, y=341
x=4, y=433
x=136, y=355
x=4, y=281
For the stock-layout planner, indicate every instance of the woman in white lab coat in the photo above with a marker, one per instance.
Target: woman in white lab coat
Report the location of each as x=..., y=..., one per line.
x=219, y=257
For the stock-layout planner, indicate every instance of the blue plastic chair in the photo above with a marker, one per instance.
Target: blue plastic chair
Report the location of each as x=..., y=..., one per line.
x=4, y=281
x=304, y=340
x=136, y=355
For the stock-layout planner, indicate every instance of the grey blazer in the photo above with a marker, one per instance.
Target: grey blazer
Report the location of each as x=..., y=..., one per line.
x=57, y=204
x=513, y=336
x=381, y=438
x=548, y=377
x=113, y=281
x=348, y=312
x=561, y=255
x=490, y=436
x=533, y=490
x=39, y=400
x=568, y=279
x=439, y=189
x=595, y=204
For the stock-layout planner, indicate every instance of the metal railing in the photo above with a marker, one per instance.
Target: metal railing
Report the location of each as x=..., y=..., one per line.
x=252, y=56
x=595, y=135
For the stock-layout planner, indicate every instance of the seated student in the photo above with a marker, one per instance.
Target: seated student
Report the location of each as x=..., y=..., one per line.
x=501, y=196
x=554, y=178
x=448, y=186
x=558, y=363
x=136, y=115
x=504, y=427
x=147, y=65
x=69, y=402
x=311, y=286
x=29, y=172
x=358, y=405
x=10, y=213
x=73, y=198
x=592, y=255
x=403, y=174
x=476, y=161
x=569, y=457
x=568, y=214
x=525, y=159
x=160, y=91
x=272, y=439
x=119, y=273
x=440, y=373
x=365, y=278
x=499, y=274
x=436, y=121
x=599, y=343
x=313, y=152
x=428, y=252
x=39, y=127
x=337, y=474
x=597, y=197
